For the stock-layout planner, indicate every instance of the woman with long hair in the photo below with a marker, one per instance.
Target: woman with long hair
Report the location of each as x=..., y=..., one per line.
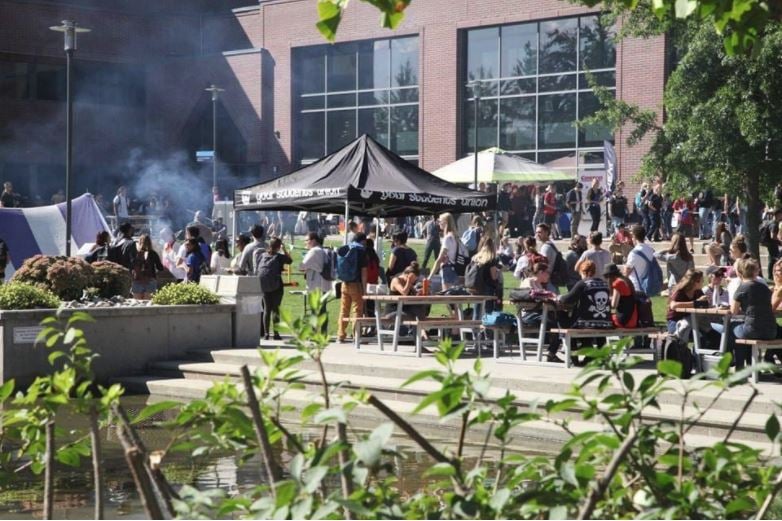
x=489, y=273
x=625, y=312
x=685, y=295
x=146, y=265
x=221, y=259
x=451, y=247
x=100, y=250
x=678, y=259
x=270, y=267
x=723, y=238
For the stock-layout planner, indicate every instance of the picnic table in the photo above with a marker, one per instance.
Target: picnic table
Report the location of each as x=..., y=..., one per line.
x=407, y=301
x=538, y=339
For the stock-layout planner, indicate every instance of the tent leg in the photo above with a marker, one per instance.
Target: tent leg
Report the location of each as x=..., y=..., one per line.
x=234, y=227
x=347, y=209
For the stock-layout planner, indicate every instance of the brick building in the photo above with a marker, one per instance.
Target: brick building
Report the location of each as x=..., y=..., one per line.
x=290, y=98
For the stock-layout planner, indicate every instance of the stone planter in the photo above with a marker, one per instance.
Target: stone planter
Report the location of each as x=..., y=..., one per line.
x=125, y=338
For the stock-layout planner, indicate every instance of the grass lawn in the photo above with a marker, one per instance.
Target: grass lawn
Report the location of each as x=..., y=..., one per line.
x=295, y=303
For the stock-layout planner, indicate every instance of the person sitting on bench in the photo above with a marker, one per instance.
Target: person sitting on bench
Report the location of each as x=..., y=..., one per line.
x=624, y=312
x=539, y=281
x=590, y=301
x=404, y=284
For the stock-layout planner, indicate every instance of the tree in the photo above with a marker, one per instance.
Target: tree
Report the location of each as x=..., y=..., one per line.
x=740, y=23
x=723, y=120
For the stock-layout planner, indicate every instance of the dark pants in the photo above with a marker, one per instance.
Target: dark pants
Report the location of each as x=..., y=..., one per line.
x=594, y=211
x=433, y=249
x=654, y=225
x=271, y=304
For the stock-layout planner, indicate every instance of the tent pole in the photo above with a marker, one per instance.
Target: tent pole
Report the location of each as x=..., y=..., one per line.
x=234, y=227
x=346, y=219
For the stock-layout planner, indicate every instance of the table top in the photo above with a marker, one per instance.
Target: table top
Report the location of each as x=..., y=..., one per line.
x=718, y=312
x=429, y=299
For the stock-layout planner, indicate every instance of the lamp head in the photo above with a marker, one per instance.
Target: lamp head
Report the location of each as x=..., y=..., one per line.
x=70, y=29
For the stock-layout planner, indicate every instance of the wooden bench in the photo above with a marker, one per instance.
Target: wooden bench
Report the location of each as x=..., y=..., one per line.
x=570, y=333
x=441, y=324
x=758, y=346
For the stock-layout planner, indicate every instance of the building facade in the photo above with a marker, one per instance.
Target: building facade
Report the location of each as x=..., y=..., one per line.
x=291, y=98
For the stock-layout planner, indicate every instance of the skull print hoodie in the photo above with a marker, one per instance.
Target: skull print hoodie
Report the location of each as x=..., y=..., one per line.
x=591, y=304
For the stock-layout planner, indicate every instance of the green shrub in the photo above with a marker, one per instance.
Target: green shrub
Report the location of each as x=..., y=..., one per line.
x=111, y=279
x=20, y=295
x=66, y=277
x=184, y=293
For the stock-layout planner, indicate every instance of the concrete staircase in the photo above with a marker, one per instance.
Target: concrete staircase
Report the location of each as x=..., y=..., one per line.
x=384, y=376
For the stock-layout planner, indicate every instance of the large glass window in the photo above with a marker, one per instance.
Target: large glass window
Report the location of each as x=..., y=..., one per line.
x=533, y=87
x=356, y=88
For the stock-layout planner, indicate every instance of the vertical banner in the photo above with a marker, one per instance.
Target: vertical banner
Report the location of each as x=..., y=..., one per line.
x=609, y=155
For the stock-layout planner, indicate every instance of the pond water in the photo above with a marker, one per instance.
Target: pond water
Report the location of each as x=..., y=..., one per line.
x=74, y=496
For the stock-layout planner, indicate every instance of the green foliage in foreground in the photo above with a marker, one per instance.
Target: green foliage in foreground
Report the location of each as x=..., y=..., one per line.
x=636, y=466
x=183, y=294
x=20, y=295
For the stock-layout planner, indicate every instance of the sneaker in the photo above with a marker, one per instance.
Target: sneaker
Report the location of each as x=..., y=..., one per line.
x=277, y=336
x=554, y=359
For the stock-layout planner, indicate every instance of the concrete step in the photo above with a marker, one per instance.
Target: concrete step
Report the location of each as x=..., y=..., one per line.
x=340, y=360
x=536, y=436
x=716, y=422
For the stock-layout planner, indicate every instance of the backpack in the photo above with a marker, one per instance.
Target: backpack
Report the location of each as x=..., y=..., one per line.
x=766, y=233
x=643, y=307
x=329, y=271
x=347, y=262
x=676, y=349
x=638, y=200
x=559, y=270
x=471, y=238
x=475, y=278
x=652, y=283
x=269, y=272
x=461, y=260
x=119, y=252
x=500, y=319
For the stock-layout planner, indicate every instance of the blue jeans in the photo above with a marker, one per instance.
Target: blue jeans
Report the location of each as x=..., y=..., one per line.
x=703, y=224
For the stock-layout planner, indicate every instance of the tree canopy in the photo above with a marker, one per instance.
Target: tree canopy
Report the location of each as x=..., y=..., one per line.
x=740, y=23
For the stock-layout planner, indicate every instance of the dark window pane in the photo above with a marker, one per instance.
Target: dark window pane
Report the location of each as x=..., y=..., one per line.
x=342, y=100
x=597, y=44
x=519, y=50
x=14, y=80
x=517, y=123
x=523, y=86
x=604, y=79
x=590, y=158
x=374, y=58
x=310, y=71
x=341, y=128
x=592, y=135
x=404, y=95
x=486, y=89
x=553, y=83
x=50, y=82
x=311, y=135
x=375, y=123
x=482, y=53
x=487, y=124
x=404, y=62
x=341, y=68
x=555, y=124
x=404, y=130
x=528, y=155
x=558, y=45
x=378, y=97
x=312, y=102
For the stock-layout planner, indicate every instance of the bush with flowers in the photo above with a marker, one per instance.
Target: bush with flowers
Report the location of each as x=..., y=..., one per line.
x=111, y=279
x=66, y=277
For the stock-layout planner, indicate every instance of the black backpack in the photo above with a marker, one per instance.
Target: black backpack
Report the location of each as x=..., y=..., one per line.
x=559, y=270
x=676, y=349
x=269, y=271
x=475, y=278
x=461, y=260
x=643, y=306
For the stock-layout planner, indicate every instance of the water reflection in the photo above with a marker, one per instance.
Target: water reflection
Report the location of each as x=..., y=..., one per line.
x=74, y=497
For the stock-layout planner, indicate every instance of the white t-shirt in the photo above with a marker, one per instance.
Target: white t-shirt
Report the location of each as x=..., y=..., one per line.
x=313, y=264
x=219, y=264
x=639, y=265
x=121, y=204
x=450, y=243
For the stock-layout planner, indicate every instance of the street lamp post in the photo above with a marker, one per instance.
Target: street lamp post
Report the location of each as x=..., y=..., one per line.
x=215, y=95
x=476, y=85
x=69, y=29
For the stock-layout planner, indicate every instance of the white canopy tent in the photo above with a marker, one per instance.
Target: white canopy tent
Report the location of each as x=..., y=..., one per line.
x=497, y=166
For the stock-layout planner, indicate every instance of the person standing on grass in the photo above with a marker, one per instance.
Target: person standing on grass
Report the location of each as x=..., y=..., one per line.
x=550, y=209
x=352, y=269
x=575, y=206
x=270, y=266
x=432, y=246
x=594, y=199
x=640, y=258
x=677, y=258
x=314, y=263
x=452, y=247
x=248, y=253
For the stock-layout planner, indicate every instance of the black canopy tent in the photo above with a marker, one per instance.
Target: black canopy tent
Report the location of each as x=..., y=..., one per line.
x=362, y=178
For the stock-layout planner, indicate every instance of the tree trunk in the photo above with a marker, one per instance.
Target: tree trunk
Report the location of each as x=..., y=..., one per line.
x=754, y=211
